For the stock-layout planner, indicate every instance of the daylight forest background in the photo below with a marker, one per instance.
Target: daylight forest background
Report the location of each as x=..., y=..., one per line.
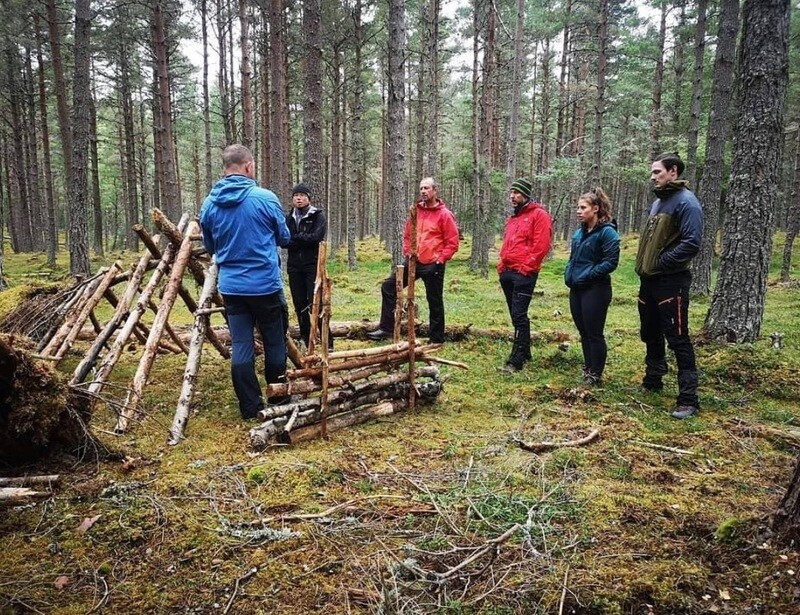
x=110, y=108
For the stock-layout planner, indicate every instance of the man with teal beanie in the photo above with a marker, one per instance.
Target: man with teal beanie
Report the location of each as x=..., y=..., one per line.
x=243, y=226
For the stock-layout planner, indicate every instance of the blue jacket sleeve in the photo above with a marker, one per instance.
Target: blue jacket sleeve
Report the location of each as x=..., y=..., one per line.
x=205, y=227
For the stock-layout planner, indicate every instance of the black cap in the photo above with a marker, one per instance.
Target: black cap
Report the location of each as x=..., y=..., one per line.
x=303, y=189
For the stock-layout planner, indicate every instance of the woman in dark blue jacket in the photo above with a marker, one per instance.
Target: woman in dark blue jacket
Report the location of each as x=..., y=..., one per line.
x=594, y=255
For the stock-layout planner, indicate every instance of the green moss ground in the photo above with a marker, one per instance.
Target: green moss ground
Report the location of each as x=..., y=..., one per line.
x=624, y=527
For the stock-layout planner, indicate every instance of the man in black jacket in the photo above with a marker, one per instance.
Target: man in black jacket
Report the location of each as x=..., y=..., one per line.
x=308, y=227
x=668, y=243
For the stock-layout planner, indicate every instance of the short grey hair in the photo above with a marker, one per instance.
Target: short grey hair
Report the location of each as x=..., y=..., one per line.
x=429, y=180
x=236, y=155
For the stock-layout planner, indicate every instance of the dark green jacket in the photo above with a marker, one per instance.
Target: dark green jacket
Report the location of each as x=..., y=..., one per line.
x=671, y=236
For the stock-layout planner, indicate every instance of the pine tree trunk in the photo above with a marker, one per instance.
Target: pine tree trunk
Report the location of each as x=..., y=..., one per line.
x=793, y=216
x=35, y=211
x=97, y=210
x=697, y=92
x=737, y=307
x=432, y=136
x=710, y=188
x=355, y=202
x=248, y=127
x=600, y=93
x=171, y=198
x=51, y=235
x=787, y=518
x=78, y=185
x=397, y=127
x=658, y=85
x=206, y=98
x=313, y=172
x=279, y=108
x=129, y=175
x=60, y=86
x=516, y=85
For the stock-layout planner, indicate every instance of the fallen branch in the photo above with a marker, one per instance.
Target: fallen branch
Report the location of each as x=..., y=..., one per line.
x=765, y=431
x=540, y=447
x=660, y=447
x=29, y=481
x=15, y=496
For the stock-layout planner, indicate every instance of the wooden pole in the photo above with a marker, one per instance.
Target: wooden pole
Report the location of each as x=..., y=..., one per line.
x=69, y=321
x=398, y=306
x=133, y=400
x=199, y=329
x=412, y=307
x=319, y=286
x=326, y=320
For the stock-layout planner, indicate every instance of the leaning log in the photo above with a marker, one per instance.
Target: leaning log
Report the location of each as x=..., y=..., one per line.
x=86, y=310
x=112, y=356
x=120, y=313
x=193, y=361
x=69, y=321
x=133, y=399
x=387, y=359
x=177, y=238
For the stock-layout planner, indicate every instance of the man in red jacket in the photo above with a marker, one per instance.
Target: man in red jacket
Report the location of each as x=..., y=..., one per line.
x=437, y=242
x=527, y=240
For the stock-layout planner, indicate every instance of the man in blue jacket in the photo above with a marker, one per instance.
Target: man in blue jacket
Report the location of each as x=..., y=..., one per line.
x=668, y=243
x=243, y=225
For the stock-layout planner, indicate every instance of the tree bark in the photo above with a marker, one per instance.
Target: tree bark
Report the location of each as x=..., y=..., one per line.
x=697, y=91
x=313, y=172
x=81, y=101
x=710, y=187
x=165, y=139
x=248, y=123
x=60, y=86
x=737, y=306
x=516, y=86
x=51, y=235
x=279, y=107
x=397, y=127
x=658, y=85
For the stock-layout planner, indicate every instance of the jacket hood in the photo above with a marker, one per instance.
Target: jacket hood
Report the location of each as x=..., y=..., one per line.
x=424, y=205
x=231, y=190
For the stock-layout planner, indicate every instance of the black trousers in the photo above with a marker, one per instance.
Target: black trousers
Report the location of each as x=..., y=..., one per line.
x=518, y=290
x=589, y=308
x=270, y=314
x=301, y=285
x=433, y=277
x=664, y=315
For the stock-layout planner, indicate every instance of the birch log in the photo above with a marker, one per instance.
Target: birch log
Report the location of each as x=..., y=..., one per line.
x=195, y=354
x=133, y=399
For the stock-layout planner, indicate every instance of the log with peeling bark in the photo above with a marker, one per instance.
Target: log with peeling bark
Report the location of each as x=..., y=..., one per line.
x=112, y=356
x=306, y=386
x=72, y=296
x=193, y=361
x=387, y=359
x=17, y=496
x=339, y=395
x=133, y=399
x=306, y=413
x=30, y=481
x=316, y=304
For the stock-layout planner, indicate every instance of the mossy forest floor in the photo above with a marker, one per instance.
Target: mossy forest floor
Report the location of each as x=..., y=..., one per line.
x=400, y=515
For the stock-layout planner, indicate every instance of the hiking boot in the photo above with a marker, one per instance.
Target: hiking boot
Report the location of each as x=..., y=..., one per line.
x=592, y=379
x=378, y=335
x=684, y=412
x=511, y=368
x=652, y=384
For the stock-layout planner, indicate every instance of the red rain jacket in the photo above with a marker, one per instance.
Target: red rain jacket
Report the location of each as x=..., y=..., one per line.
x=437, y=233
x=527, y=240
